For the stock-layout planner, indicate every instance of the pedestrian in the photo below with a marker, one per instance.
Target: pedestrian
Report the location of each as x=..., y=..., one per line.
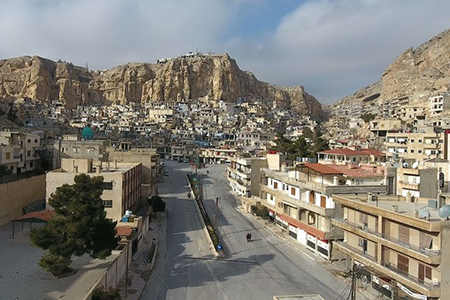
x=248, y=237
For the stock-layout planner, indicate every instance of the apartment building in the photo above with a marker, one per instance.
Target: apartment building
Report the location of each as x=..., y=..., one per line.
x=122, y=183
x=19, y=152
x=350, y=156
x=416, y=146
x=380, y=127
x=160, y=116
x=439, y=104
x=218, y=155
x=414, y=182
x=300, y=198
x=403, y=246
x=244, y=175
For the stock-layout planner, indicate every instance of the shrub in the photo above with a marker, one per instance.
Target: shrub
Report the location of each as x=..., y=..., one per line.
x=111, y=294
x=261, y=212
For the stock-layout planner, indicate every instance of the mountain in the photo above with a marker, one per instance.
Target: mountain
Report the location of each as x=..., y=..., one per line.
x=191, y=77
x=415, y=73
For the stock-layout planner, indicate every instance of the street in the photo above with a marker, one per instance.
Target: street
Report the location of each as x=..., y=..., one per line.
x=267, y=266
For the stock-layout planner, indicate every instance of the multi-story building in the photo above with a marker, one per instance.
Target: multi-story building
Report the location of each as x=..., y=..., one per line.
x=19, y=152
x=439, y=104
x=160, y=116
x=350, y=156
x=300, y=198
x=421, y=183
x=402, y=246
x=244, y=175
x=416, y=146
x=380, y=127
x=122, y=183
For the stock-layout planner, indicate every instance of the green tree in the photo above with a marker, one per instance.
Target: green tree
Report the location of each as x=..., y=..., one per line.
x=79, y=226
x=4, y=170
x=307, y=133
x=367, y=117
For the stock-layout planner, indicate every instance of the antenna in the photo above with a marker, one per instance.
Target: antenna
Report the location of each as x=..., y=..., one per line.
x=444, y=211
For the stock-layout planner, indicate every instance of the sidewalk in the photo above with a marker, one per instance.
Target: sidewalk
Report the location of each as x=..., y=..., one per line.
x=140, y=270
x=338, y=269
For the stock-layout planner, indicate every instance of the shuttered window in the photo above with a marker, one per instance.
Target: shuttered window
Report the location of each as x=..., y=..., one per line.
x=403, y=264
x=323, y=201
x=403, y=233
x=425, y=240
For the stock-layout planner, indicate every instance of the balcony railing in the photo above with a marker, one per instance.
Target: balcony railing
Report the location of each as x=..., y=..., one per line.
x=356, y=250
x=402, y=273
x=425, y=251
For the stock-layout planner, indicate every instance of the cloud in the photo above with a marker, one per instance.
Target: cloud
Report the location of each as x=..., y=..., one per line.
x=108, y=32
x=332, y=47
x=335, y=47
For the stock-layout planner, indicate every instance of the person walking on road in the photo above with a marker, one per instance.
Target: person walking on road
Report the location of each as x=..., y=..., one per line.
x=248, y=237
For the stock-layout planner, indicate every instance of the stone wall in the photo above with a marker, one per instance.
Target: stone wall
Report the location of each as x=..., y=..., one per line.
x=17, y=194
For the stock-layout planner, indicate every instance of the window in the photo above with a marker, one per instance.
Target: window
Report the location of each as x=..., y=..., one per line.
x=420, y=151
x=412, y=140
x=107, y=203
x=28, y=153
x=292, y=191
x=412, y=150
x=7, y=155
x=275, y=185
x=29, y=141
x=420, y=141
x=107, y=185
x=31, y=164
x=323, y=201
x=35, y=140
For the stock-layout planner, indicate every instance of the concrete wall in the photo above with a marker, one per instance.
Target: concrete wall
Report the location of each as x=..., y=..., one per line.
x=17, y=194
x=114, y=273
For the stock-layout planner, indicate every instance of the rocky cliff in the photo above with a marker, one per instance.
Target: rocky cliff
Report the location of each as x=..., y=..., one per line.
x=415, y=73
x=215, y=76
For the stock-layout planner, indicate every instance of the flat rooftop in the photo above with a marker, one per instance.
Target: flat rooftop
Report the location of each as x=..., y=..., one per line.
x=404, y=208
x=22, y=277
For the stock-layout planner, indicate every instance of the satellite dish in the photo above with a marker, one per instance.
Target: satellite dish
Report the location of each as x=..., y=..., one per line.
x=415, y=165
x=405, y=165
x=444, y=211
x=424, y=213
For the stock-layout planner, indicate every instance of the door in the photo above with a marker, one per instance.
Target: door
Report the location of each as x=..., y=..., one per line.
x=365, y=247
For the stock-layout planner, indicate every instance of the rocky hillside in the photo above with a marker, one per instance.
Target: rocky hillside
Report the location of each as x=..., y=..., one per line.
x=215, y=76
x=415, y=73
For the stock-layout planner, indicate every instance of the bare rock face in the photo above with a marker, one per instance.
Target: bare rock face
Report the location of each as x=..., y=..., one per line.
x=214, y=76
x=416, y=72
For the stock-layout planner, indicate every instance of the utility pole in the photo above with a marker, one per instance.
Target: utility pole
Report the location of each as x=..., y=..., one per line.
x=353, y=288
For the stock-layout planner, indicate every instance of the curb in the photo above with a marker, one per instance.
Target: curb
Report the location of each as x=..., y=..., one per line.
x=202, y=222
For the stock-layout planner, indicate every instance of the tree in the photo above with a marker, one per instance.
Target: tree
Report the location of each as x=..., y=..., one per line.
x=367, y=117
x=157, y=203
x=79, y=226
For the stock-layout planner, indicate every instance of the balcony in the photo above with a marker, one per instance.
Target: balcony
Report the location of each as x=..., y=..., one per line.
x=426, y=255
x=409, y=185
x=327, y=212
x=389, y=270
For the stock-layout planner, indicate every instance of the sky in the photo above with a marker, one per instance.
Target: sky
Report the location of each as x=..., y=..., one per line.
x=331, y=47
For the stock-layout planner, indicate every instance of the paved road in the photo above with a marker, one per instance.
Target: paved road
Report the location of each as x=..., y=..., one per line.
x=186, y=269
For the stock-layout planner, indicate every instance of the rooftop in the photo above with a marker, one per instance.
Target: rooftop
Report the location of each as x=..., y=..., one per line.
x=393, y=203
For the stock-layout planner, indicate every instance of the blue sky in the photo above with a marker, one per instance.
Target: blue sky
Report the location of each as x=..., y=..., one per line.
x=331, y=47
